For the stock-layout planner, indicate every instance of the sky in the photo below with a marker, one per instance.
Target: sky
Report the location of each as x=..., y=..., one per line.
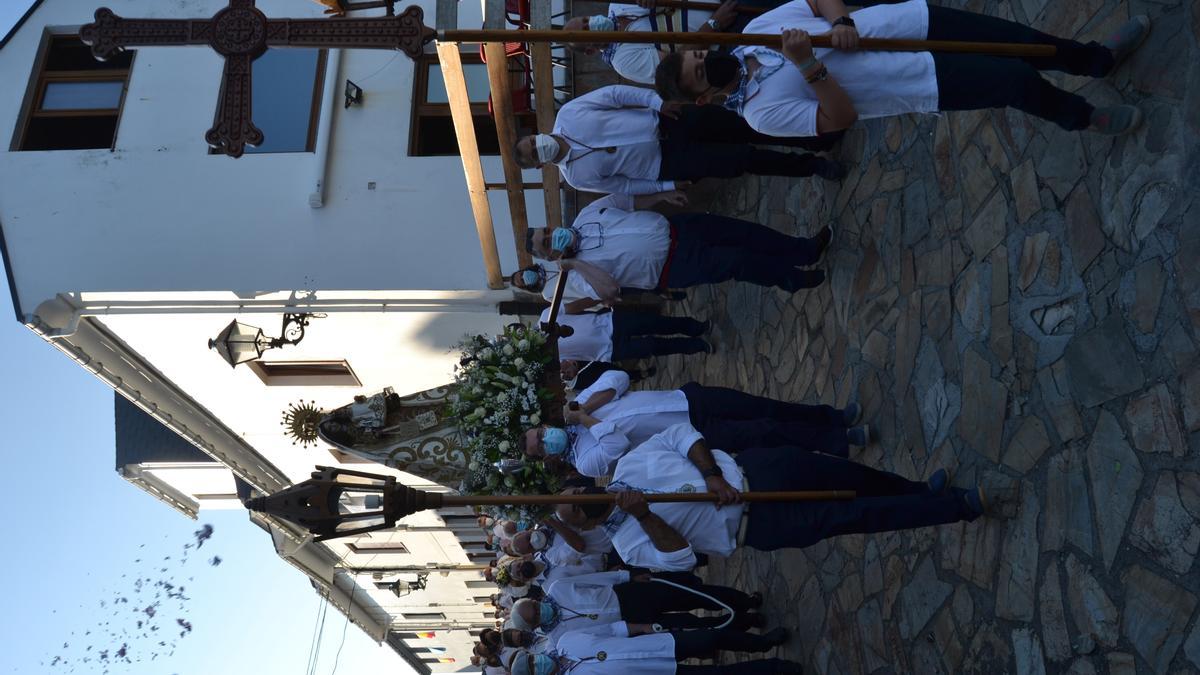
x=77, y=538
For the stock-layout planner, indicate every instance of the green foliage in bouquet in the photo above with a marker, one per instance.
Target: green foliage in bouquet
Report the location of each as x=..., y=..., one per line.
x=500, y=393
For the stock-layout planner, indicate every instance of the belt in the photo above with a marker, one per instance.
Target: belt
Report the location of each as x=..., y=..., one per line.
x=741, y=531
x=662, y=277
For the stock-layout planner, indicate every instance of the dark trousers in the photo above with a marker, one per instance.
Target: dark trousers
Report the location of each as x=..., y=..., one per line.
x=732, y=421
x=701, y=643
x=713, y=141
x=885, y=501
x=645, y=601
x=976, y=81
x=757, y=667
x=710, y=249
x=639, y=335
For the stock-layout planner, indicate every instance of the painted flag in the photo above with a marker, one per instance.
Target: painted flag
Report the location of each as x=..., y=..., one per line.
x=446, y=659
x=426, y=634
x=437, y=650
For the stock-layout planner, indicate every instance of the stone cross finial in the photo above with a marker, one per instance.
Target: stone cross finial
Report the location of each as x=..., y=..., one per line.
x=241, y=33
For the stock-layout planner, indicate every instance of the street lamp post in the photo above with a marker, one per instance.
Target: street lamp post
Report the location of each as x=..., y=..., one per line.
x=240, y=342
x=341, y=502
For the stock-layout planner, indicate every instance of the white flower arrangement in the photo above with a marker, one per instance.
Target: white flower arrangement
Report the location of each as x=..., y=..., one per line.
x=500, y=380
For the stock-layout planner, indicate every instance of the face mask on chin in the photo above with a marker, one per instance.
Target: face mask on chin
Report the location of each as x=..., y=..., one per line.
x=537, y=540
x=721, y=69
x=534, y=278
x=545, y=147
x=601, y=23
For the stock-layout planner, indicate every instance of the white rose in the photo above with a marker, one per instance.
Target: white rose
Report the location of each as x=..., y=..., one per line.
x=519, y=362
x=503, y=446
x=473, y=466
x=480, y=411
x=510, y=481
x=508, y=350
x=535, y=419
x=523, y=345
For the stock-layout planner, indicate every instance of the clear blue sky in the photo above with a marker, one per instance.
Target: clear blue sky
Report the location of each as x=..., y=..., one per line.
x=77, y=535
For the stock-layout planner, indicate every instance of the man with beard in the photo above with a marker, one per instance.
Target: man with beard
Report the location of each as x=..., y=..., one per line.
x=796, y=91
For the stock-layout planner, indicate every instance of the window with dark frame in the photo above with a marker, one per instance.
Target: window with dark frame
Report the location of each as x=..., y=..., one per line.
x=424, y=616
x=305, y=373
x=431, y=132
x=378, y=547
x=286, y=99
x=74, y=101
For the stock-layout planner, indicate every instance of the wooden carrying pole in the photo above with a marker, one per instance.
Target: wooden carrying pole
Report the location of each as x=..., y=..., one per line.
x=658, y=497
x=738, y=39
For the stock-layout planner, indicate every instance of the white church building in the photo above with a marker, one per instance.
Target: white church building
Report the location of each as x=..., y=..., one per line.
x=128, y=245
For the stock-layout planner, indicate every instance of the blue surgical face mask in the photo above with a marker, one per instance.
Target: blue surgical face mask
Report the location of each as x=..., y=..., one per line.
x=531, y=278
x=601, y=23
x=554, y=440
x=543, y=665
x=547, y=615
x=561, y=239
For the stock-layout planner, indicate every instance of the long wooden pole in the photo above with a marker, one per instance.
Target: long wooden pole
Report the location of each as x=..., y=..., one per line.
x=609, y=498
x=738, y=39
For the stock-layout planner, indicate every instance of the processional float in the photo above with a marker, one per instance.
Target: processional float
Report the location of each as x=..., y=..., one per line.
x=340, y=502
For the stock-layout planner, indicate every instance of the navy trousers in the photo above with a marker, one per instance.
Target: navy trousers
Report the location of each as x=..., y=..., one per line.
x=732, y=421
x=640, y=335
x=710, y=249
x=885, y=501
x=976, y=81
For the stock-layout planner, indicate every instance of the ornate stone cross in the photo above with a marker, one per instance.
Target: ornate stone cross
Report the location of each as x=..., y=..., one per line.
x=241, y=33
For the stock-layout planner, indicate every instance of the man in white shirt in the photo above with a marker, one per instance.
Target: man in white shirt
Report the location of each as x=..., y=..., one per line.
x=666, y=536
x=799, y=92
x=627, y=334
x=645, y=250
x=638, y=650
x=622, y=139
x=645, y=599
x=609, y=420
x=636, y=62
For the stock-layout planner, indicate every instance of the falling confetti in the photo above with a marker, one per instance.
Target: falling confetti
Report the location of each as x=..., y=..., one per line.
x=126, y=638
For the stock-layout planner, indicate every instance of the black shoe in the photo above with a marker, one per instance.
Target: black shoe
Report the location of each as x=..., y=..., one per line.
x=823, y=239
x=808, y=279
x=746, y=620
x=756, y=600
x=705, y=327
x=776, y=636
x=829, y=169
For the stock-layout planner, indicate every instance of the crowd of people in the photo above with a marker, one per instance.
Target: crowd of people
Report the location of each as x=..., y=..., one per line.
x=611, y=587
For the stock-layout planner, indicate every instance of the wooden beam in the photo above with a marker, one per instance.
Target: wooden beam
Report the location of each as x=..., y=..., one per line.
x=447, y=14
x=468, y=149
x=543, y=101
x=506, y=131
x=493, y=13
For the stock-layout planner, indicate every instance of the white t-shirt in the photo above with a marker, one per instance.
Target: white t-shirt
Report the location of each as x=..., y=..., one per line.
x=661, y=465
x=637, y=62
x=592, y=339
x=880, y=84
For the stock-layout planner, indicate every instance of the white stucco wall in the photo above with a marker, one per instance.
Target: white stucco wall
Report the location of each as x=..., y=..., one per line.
x=159, y=213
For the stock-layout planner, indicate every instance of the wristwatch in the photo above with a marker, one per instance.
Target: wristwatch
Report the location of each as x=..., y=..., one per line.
x=843, y=21
x=712, y=23
x=714, y=470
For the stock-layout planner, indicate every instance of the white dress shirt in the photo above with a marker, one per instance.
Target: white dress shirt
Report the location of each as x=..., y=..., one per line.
x=637, y=62
x=880, y=84
x=623, y=119
x=592, y=339
x=628, y=420
x=630, y=245
x=589, y=593
x=661, y=465
x=650, y=654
